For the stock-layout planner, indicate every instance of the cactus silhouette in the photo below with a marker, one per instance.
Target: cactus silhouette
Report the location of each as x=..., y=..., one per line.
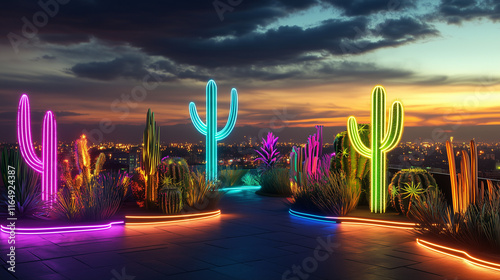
x=382, y=141
x=48, y=164
x=209, y=129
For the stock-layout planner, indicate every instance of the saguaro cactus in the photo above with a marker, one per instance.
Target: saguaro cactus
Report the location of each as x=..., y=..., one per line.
x=48, y=164
x=209, y=129
x=151, y=158
x=382, y=141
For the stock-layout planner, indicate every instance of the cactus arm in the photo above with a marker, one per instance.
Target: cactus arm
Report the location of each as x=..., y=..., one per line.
x=231, y=120
x=396, y=123
x=24, y=135
x=195, y=118
x=49, y=157
x=352, y=130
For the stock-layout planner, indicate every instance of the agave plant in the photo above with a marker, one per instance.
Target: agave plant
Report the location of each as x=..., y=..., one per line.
x=27, y=183
x=268, y=154
x=412, y=191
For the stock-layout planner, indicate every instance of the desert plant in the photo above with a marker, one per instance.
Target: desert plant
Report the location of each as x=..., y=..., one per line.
x=170, y=200
x=26, y=181
x=408, y=184
x=175, y=168
x=202, y=194
x=138, y=187
x=151, y=159
x=477, y=227
x=268, y=154
x=332, y=195
x=347, y=159
x=230, y=177
x=275, y=181
x=99, y=199
x=309, y=162
x=251, y=179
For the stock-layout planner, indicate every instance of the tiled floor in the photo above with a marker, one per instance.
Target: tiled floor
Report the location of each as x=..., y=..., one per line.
x=255, y=238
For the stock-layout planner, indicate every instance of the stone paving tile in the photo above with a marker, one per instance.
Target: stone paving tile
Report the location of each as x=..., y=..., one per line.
x=22, y=255
x=102, y=259
x=65, y=264
x=255, y=238
x=5, y=274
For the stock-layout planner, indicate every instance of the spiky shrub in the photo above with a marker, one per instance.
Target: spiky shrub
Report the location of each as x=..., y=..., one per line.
x=202, y=194
x=407, y=185
x=138, y=187
x=275, y=181
x=230, y=177
x=27, y=185
x=347, y=159
x=170, y=200
x=332, y=195
x=268, y=154
x=477, y=227
x=251, y=179
x=99, y=199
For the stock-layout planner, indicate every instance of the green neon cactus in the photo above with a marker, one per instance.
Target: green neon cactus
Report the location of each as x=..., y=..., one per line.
x=151, y=158
x=209, y=129
x=382, y=141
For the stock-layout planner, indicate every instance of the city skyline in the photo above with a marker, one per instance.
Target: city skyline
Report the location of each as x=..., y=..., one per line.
x=295, y=65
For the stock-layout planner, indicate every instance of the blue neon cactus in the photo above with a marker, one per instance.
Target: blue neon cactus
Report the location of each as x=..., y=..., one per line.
x=209, y=129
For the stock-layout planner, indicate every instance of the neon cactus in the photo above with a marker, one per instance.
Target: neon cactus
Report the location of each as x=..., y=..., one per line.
x=151, y=158
x=48, y=164
x=209, y=129
x=466, y=188
x=382, y=141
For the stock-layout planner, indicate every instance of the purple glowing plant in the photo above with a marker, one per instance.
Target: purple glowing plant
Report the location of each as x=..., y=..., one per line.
x=269, y=155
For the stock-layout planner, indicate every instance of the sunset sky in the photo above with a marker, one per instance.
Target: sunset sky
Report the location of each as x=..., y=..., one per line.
x=296, y=63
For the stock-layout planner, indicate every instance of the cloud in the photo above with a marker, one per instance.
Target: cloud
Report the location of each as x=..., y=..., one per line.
x=122, y=67
x=405, y=28
x=456, y=11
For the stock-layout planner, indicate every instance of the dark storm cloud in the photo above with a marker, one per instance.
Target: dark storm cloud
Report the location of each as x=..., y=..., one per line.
x=123, y=67
x=405, y=27
x=366, y=7
x=456, y=11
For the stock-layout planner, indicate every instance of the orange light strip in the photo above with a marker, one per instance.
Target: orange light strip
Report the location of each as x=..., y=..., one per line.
x=458, y=254
x=379, y=225
x=376, y=221
x=173, y=216
x=208, y=215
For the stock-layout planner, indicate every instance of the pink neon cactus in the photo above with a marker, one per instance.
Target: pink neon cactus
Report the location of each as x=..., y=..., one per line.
x=48, y=164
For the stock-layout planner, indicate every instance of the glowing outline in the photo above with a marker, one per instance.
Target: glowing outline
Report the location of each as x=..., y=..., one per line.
x=210, y=128
x=69, y=229
x=382, y=141
x=470, y=259
x=48, y=165
x=205, y=215
x=354, y=220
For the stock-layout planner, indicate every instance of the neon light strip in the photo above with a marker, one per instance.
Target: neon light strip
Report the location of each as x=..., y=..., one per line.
x=458, y=254
x=48, y=165
x=354, y=220
x=173, y=216
x=52, y=230
x=243, y=188
x=218, y=213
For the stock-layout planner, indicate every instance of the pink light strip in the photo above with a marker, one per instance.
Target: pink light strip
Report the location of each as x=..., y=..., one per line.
x=53, y=230
x=48, y=165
